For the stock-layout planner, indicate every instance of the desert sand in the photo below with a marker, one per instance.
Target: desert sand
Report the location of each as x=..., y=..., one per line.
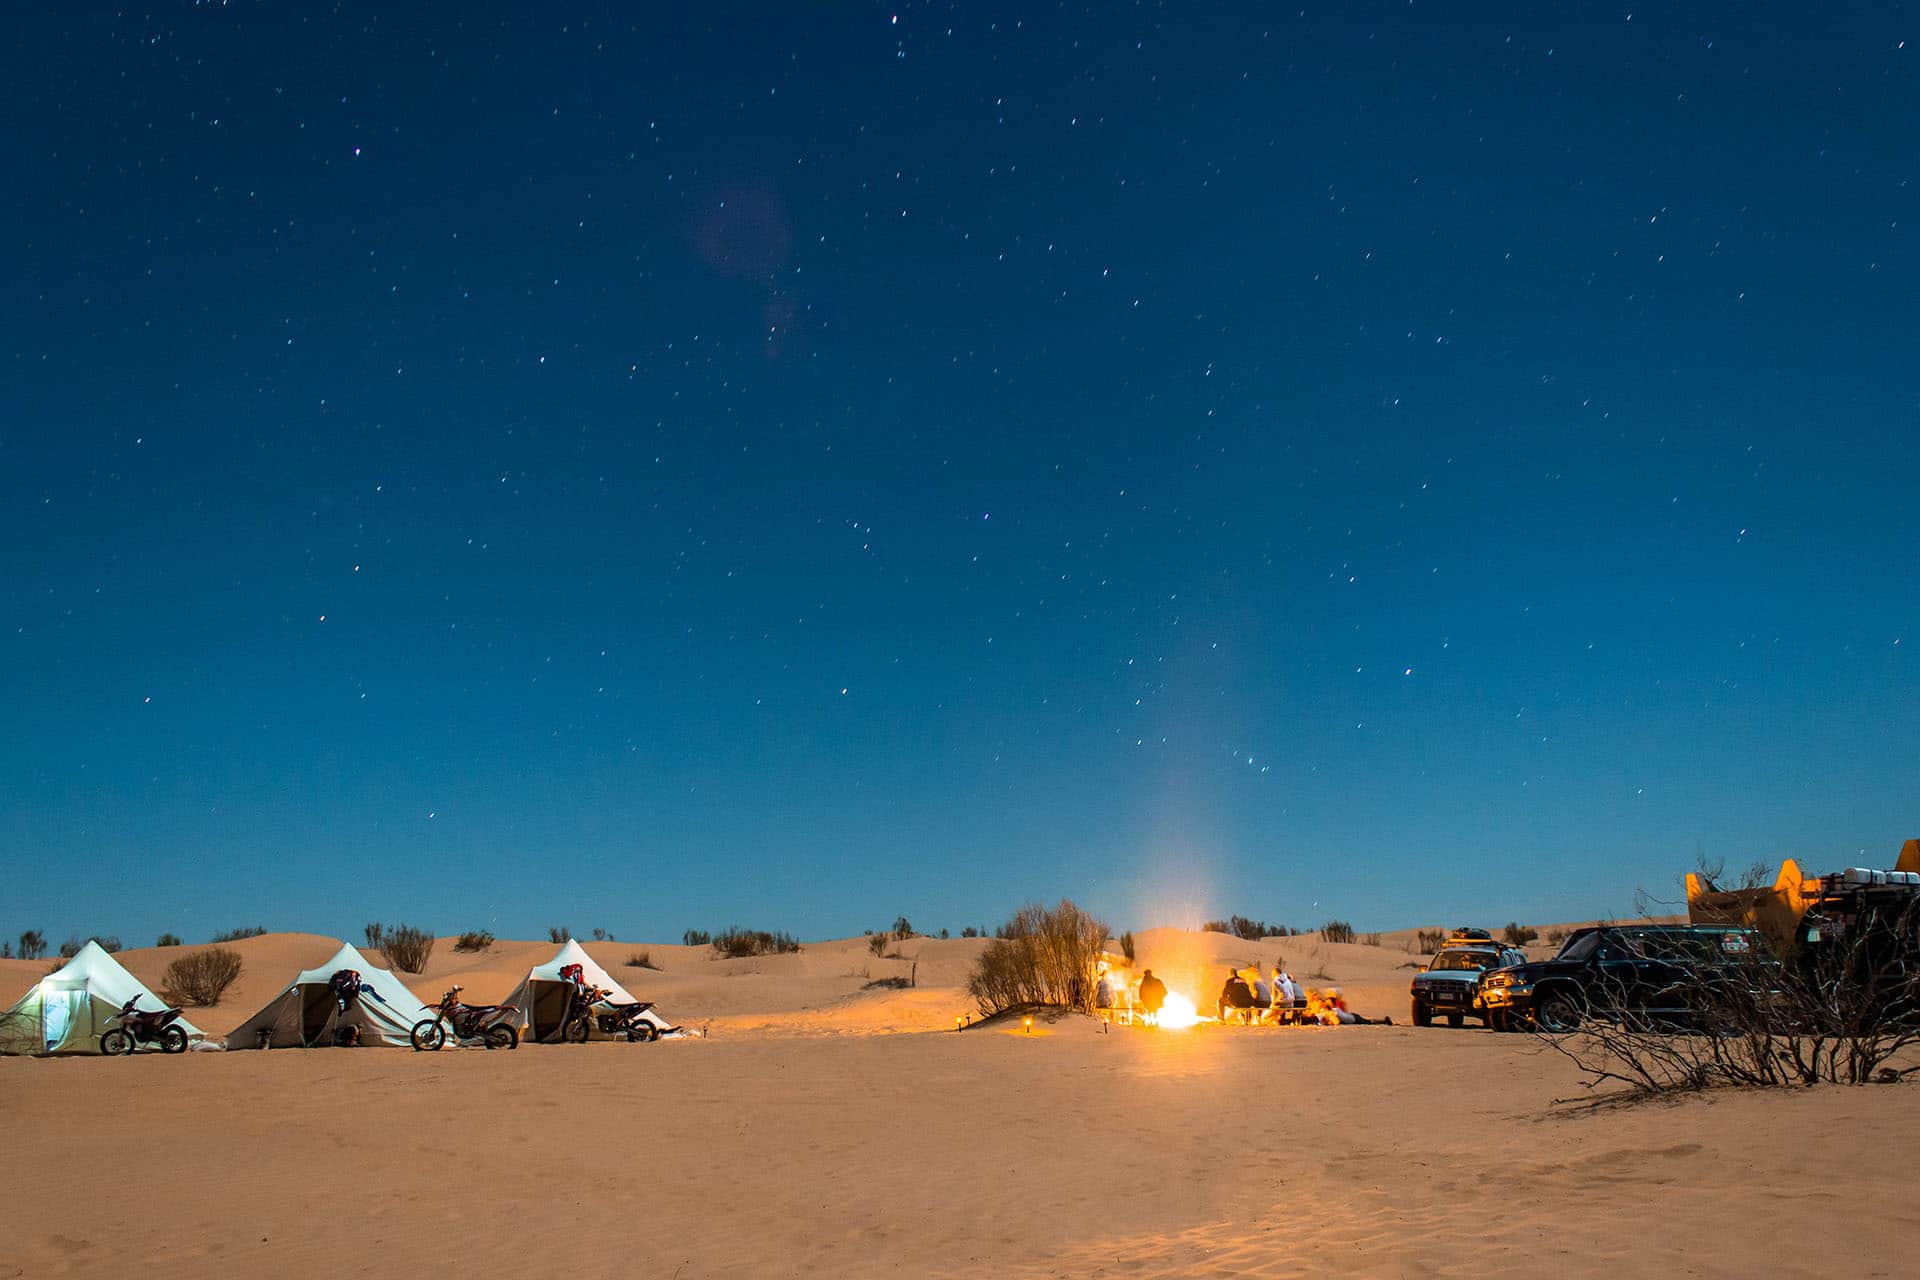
x=826, y=1128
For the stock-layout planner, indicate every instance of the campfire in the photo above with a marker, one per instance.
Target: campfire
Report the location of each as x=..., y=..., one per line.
x=1178, y=1011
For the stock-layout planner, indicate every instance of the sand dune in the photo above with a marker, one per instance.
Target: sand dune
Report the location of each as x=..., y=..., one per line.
x=802, y=1139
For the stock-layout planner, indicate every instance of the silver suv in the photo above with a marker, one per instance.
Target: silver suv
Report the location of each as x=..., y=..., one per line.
x=1449, y=986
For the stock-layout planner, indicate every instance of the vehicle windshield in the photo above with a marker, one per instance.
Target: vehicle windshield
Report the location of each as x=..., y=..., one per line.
x=1474, y=960
x=1580, y=946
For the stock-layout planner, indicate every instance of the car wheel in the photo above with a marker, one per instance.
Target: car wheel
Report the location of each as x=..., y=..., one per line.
x=1456, y=1019
x=1422, y=1016
x=1557, y=1013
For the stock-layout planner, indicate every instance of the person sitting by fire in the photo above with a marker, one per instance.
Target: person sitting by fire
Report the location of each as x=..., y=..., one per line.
x=1235, y=994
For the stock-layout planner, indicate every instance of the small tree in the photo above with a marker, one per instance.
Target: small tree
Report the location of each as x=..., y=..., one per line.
x=1429, y=940
x=1337, y=931
x=1518, y=935
x=200, y=979
x=473, y=940
x=902, y=928
x=407, y=948
x=33, y=944
x=695, y=938
x=558, y=933
x=1126, y=945
x=376, y=936
x=970, y=931
x=1042, y=956
x=167, y=940
x=877, y=943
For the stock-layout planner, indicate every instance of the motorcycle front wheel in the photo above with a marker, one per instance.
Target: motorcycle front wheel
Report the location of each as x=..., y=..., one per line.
x=503, y=1036
x=576, y=1032
x=428, y=1034
x=116, y=1042
x=173, y=1040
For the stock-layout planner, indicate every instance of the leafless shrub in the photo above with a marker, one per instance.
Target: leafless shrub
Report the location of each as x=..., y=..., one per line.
x=1337, y=931
x=558, y=933
x=473, y=940
x=167, y=940
x=1371, y=939
x=641, y=960
x=1518, y=935
x=1126, y=945
x=33, y=944
x=695, y=938
x=877, y=943
x=244, y=931
x=1835, y=1012
x=1429, y=940
x=1557, y=936
x=376, y=935
x=71, y=947
x=1041, y=957
x=202, y=978
x=407, y=948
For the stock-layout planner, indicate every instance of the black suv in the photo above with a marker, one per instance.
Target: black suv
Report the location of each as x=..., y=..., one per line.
x=1652, y=970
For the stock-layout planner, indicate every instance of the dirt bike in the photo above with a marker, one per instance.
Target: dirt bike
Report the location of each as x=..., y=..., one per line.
x=490, y=1023
x=625, y=1020
x=140, y=1026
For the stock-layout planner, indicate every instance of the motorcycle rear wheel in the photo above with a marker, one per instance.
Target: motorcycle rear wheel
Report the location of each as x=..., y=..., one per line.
x=643, y=1033
x=116, y=1042
x=173, y=1039
x=503, y=1036
x=428, y=1034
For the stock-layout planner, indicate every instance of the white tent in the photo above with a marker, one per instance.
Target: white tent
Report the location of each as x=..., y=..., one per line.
x=543, y=994
x=306, y=1015
x=67, y=1011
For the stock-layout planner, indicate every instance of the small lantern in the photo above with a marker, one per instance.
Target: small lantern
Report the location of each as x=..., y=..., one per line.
x=1029, y=1023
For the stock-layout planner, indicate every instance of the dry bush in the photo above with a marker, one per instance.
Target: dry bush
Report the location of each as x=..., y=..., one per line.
x=1041, y=956
x=201, y=978
x=1126, y=945
x=1429, y=940
x=167, y=940
x=735, y=943
x=1835, y=1012
x=1371, y=939
x=641, y=960
x=1518, y=935
x=473, y=940
x=877, y=943
x=695, y=938
x=244, y=931
x=559, y=933
x=1337, y=931
x=407, y=948
x=1557, y=936
x=71, y=947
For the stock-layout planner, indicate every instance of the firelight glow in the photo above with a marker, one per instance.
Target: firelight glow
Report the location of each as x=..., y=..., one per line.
x=1178, y=1012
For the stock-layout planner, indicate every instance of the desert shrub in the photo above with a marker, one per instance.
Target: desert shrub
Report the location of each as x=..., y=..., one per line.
x=970, y=932
x=473, y=940
x=202, y=978
x=877, y=943
x=1249, y=929
x=1216, y=926
x=736, y=943
x=407, y=948
x=167, y=940
x=1430, y=939
x=1126, y=945
x=603, y=935
x=1557, y=936
x=641, y=960
x=902, y=928
x=1041, y=956
x=1337, y=931
x=71, y=947
x=376, y=935
x=943, y=935
x=695, y=938
x=33, y=944
x=1371, y=939
x=558, y=933
x=245, y=931
x=6, y=951
x=1518, y=935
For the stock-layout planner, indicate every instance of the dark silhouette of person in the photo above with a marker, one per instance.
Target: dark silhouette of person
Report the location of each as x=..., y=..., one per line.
x=1153, y=994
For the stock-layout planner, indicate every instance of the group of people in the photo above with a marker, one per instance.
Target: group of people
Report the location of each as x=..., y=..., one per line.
x=1247, y=995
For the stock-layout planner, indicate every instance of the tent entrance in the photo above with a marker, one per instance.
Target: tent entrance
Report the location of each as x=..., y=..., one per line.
x=547, y=1012
x=60, y=1013
x=317, y=1010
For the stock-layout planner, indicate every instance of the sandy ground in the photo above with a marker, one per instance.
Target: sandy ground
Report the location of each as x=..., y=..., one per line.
x=800, y=1138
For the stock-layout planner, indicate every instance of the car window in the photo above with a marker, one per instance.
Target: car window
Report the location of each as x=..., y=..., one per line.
x=1459, y=959
x=1580, y=947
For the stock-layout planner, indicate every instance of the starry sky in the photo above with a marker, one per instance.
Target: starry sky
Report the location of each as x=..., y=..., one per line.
x=651, y=467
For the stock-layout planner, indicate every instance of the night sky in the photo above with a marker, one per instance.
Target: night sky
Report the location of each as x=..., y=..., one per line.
x=652, y=466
